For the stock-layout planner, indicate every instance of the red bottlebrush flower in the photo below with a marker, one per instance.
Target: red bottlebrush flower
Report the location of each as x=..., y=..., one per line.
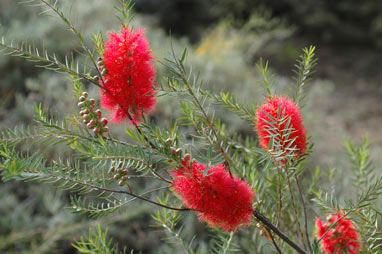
x=342, y=238
x=129, y=75
x=288, y=110
x=220, y=200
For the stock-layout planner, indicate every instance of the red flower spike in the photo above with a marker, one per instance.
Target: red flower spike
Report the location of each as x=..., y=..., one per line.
x=220, y=200
x=288, y=110
x=342, y=238
x=129, y=76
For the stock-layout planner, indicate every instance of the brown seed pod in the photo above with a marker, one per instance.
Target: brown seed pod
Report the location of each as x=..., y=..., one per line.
x=96, y=130
x=98, y=113
x=104, y=121
x=90, y=126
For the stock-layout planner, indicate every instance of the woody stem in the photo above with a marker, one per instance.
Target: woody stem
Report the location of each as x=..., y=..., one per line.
x=272, y=227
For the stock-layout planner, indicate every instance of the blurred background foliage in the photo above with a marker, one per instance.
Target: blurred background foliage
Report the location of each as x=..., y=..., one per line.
x=226, y=39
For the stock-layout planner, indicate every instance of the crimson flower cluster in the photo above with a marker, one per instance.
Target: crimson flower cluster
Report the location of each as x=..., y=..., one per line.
x=127, y=75
x=269, y=112
x=219, y=199
x=342, y=238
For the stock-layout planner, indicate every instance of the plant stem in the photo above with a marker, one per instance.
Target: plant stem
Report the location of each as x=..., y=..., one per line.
x=273, y=240
x=305, y=214
x=294, y=206
x=210, y=123
x=272, y=227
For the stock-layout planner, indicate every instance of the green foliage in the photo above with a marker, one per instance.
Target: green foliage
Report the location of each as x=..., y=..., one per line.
x=96, y=243
x=104, y=175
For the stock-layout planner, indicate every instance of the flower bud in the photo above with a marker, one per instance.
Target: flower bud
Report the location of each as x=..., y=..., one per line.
x=98, y=113
x=124, y=178
x=104, y=72
x=112, y=169
x=92, y=101
x=104, y=122
x=96, y=130
x=121, y=183
x=85, y=94
x=82, y=98
x=187, y=157
x=105, y=129
x=116, y=177
x=93, y=122
x=90, y=126
x=120, y=171
x=86, y=117
x=120, y=164
x=81, y=104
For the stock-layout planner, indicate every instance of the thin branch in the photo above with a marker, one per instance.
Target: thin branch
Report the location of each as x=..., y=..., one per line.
x=210, y=123
x=294, y=206
x=273, y=240
x=305, y=214
x=123, y=192
x=272, y=227
x=80, y=38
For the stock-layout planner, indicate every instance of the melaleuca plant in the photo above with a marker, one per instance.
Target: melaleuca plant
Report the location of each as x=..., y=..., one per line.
x=255, y=195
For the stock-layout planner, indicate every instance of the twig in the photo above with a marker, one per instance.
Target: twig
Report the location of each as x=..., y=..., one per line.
x=294, y=206
x=210, y=123
x=272, y=227
x=273, y=240
x=305, y=215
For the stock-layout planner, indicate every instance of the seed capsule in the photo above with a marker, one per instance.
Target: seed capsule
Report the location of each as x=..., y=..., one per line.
x=104, y=121
x=98, y=113
x=187, y=157
x=90, y=126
